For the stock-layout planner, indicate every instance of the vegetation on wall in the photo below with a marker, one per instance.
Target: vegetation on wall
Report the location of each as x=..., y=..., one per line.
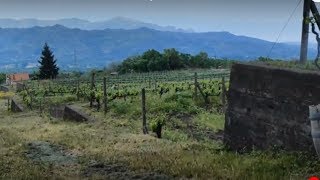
x=293, y=64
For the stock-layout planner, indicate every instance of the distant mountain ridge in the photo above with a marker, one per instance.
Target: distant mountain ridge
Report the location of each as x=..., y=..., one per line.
x=113, y=23
x=21, y=48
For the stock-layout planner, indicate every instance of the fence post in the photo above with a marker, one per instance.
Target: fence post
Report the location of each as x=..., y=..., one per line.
x=40, y=107
x=144, y=118
x=92, y=88
x=8, y=104
x=223, y=95
x=105, y=94
x=207, y=101
x=195, y=85
x=78, y=89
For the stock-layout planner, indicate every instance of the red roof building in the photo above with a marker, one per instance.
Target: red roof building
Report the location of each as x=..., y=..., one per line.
x=14, y=78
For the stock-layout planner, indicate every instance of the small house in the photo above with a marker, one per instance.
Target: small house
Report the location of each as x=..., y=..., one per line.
x=12, y=79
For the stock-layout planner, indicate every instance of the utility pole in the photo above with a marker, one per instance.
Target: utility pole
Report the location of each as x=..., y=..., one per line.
x=305, y=32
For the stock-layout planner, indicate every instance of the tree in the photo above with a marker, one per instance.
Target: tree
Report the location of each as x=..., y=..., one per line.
x=155, y=61
x=48, y=68
x=173, y=57
x=2, y=78
x=200, y=60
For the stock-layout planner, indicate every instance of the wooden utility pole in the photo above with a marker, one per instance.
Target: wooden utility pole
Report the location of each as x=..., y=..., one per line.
x=305, y=32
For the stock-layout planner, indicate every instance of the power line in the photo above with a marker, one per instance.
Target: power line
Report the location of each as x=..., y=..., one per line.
x=284, y=27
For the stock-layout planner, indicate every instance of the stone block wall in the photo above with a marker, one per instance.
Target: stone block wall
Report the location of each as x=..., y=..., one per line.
x=268, y=107
x=4, y=89
x=15, y=106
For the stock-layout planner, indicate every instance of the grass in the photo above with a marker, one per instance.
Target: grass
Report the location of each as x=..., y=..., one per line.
x=117, y=139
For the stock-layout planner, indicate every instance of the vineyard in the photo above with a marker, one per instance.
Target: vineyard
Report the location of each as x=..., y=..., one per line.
x=144, y=126
x=35, y=93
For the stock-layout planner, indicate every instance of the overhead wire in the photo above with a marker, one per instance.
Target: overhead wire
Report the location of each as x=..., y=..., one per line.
x=283, y=28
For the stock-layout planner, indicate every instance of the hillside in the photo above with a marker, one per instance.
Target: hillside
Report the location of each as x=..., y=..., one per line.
x=20, y=48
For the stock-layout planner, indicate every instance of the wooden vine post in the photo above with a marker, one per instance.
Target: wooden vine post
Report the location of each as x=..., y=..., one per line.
x=206, y=100
x=105, y=95
x=40, y=107
x=223, y=94
x=78, y=89
x=92, y=89
x=8, y=104
x=195, y=85
x=144, y=118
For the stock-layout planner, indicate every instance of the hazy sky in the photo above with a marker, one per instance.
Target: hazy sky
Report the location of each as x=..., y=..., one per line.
x=258, y=18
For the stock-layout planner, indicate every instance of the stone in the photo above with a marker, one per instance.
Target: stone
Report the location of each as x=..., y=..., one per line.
x=269, y=107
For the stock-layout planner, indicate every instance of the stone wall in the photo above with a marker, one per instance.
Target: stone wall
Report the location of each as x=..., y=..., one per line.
x=73, y=114
x=268, y=107
x=4, y=89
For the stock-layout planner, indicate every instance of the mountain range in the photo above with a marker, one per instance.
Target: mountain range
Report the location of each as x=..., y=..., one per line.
x=20, y=48
x=113, y=23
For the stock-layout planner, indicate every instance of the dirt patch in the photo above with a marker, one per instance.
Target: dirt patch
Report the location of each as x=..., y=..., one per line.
x=117, y=171
x=45, y=152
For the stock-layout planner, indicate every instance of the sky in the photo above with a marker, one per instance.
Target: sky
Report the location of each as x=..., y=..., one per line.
x=256, y=18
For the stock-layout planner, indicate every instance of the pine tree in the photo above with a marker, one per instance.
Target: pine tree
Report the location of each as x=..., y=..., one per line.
x=48, y=68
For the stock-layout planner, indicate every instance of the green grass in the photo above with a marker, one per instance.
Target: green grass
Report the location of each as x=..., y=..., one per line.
x=117, y=138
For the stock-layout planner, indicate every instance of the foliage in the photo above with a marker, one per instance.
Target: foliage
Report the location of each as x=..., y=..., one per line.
x=2, y=78
x=48, y=68
x=170, y=59
x=157, y=123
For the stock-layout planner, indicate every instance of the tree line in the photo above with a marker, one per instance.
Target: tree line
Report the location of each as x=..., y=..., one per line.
x=170, y=59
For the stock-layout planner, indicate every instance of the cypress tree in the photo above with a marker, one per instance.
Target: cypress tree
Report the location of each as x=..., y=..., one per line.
x=48, y=68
